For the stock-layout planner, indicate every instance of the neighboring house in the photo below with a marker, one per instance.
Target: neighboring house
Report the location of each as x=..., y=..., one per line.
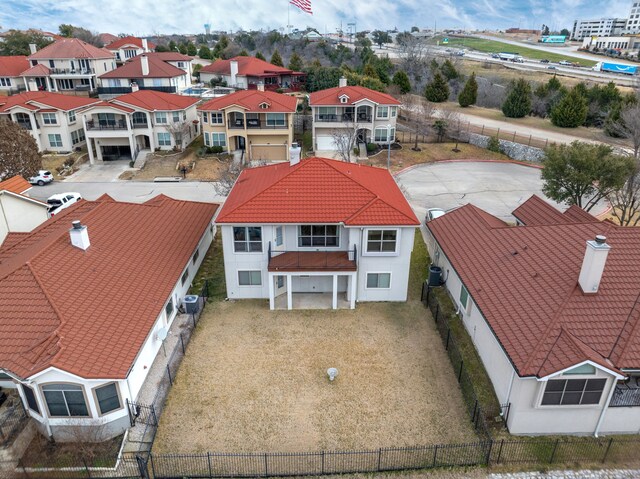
x=126, y=48
x=260, y=122
x=51, y=118
x=11, y=68
x=107, y=38
x=48, y=36
x=552, y=308
x=249, y=72
x=144, y=120
x=290, y=231
x=67, y=65
x=354, y=108
x=18, y=212
x=147, y=71
x=83, y=303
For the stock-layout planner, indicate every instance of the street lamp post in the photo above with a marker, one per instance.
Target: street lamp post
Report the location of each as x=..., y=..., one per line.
x=389, y=146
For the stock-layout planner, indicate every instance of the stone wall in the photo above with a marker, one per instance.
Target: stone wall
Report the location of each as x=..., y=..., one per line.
x=515, y=151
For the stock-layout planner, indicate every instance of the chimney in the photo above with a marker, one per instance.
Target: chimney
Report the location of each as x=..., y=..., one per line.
x=33, y=48
x=342, y=82
x=294, y=154
x=134, y=87
x=260, y=86
x=145, y=45
x=144, y=64
x=233, y=65
x=79, y=235
x=595, y=258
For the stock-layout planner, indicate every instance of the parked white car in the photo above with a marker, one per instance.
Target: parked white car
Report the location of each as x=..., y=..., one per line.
x=42, y=178
x=61, y=201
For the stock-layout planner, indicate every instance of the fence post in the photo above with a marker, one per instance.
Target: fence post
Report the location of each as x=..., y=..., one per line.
x=266, y=466
x=498, y=134
x=475, y=410
x=460, y=372
x=209, y=462
x=86, y=468
x=155, y=418
x=482, y=132
x=500, y=451
x=435, y=455
x=132, y=420
x=322, y=462
x=437, y=311
x=153, y=467
x=379, y=458
x=553, y=453
x=182, y=343
x=169, y=373
x=606, y=452
x=446, y=346
x=529, y=140
x=488, y=458
x=514, y=136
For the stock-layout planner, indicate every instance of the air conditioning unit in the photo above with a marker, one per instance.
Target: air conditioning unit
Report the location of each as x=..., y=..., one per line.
x=191, y=304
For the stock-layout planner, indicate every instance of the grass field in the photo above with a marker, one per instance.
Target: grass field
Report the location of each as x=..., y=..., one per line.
x=493, y=46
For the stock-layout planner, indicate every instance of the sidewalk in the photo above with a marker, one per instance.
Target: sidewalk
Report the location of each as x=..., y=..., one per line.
x=99, y=172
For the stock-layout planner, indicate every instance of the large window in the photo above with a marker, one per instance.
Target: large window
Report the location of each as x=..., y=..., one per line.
x=384, y=134
x=49, y=119
x=176, y=117
x=327, y=113
x=55, y=140
x=161, y=117
x=247, y=239
x=65, y=400
x=5, y=81
x=279, y=239
x=318, y=235
x=107, y=398
x=572, y=392
x=275, y=119
x=77, y=136
x=168, y=309
x=31, y=398
x=216, y=118
x=249, y=278
x=205, y=117
x=206, y=139
x=464, y=297
x=378, y=280
x=218, y=139
x=72, y=116
x=382, y=112
x=381, y=241
x=164, y=139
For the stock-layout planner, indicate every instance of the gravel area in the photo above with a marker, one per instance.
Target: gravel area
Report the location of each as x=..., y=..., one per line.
x=255, y=380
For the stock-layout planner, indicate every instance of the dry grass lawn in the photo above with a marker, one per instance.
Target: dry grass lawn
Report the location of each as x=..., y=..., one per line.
x=255, y=380
x=206, y=169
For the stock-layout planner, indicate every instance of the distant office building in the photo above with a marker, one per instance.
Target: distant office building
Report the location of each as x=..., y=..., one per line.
x=633, y=22
x=601, y=27
x=625, y=43
x=522, y=30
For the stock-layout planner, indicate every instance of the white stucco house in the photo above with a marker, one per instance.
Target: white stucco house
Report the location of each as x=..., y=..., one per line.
x=83, y=297
x=247, y=73
x=125, y=48
x=552, y=308
x=143, y=120
x=11, y=68
x=371, y=113
x=51, y=118
x=322, y=230
x=18, y=212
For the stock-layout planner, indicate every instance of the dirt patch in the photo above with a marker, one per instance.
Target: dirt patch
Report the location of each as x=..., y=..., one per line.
x=44, y=453
x=208, y=168
x=255, y=380
x=65, y=163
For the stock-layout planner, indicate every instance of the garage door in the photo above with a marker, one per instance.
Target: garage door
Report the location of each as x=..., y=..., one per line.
x=269, y=152
x=325, y=142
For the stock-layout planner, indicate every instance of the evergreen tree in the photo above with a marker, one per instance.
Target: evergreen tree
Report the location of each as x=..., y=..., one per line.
x=295, y=62
x=518, y=101
x=401, y=80
x=554, y=83
x=243, y=53
x=437, y=90
x=260, y=56
x=276, y=59
x=192, y=51
x=469, y=94
x=182, y=48
x=571, y=110
x=204, y=52
x=449, y=71
x=172, y=46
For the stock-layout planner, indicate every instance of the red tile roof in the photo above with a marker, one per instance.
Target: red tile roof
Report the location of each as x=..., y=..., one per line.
x=172, y=57
x=247, y=66
x=158, y=68
x=317, y=190
x=331, y=96
x=152, y=100
x=524, y=281
x=128, y=41
x=39, y=70
x=16, y=184
x=38, y=100
x=536, y=211
x=13, y=66
x=251, y=100
x=70, y=48
x=107, y=38
x=89, y=312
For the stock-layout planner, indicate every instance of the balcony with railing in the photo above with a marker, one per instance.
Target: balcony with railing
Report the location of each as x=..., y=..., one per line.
x=313, y=260
x=344, y=115
x=107, y=125
x=625, y=395
x=163, y=89
x=113, y=90
x=73, y=71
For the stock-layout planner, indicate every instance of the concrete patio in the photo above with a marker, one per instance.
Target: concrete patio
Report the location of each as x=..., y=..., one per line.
x=312, y=301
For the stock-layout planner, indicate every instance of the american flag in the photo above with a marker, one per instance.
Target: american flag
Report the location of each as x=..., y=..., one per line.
x=304, y=5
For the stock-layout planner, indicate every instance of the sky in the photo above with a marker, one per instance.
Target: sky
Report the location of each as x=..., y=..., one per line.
x=145, y=17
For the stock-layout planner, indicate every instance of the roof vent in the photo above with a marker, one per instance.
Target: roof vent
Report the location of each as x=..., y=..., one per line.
x=79, y=235
x=342, y=82
x=294, y=154
x=144, y=64
x=595, y=258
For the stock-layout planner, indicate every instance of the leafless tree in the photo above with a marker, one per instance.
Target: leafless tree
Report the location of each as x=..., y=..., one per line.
x=415, y=55
x=629, y=127
x=178, y=130
x=419, y=112
x=626, y=201
x=18, y=151
x=230, y=174
x=346, y=139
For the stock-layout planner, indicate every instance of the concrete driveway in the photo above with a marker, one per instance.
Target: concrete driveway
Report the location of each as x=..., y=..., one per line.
x=496, y=187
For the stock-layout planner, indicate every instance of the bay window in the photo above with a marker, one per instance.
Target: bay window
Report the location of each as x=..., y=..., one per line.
x=65, y=400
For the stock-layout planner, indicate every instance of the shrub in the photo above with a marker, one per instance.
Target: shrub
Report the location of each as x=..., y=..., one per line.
x=437, y=91
x=571, y=111
x=371, y=147
x=494, y=144
x=469, y=94
x=518, y=102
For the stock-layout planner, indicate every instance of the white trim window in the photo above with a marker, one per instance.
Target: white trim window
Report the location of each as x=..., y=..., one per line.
x=30, y=396
x=77, y=136
x=65, y=400
x=164, y=139
x=176, y=116
x=161, y=118
x=378, y=281
x=55, y=140
x=107, y=398
x=247, y=239
x=327, y=113
x=49, y=119
x=219, y=139
x=250, y=278
x=394, y=111
x=206, y=139
x=205, y=117
x=217, y=118
x=5, y=82
x=278, y=239
x=382, y=134
x=326, y=236
x=382, y=112
x=573, y=392
x=72, y=116
x=275, y=119
x=382, y=241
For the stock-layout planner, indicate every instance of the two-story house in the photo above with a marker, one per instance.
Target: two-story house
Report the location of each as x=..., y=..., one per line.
x=256, y=121
x=317, y=232
x=249, y=72
x=51, y=118
x=126, y=48
x=147, y=71
x=143, y=120
x=67, y=65
x=11, y=68
x=368, y=112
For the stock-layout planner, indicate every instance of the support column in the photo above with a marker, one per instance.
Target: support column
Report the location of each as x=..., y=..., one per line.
x=334, y=303
x=90, y=149
x=272, y=299
x=289, y=292
x=354, y=288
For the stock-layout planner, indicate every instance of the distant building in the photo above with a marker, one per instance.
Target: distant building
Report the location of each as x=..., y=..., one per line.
x=522, y=30
x=601, y=27
x=633, y=22
x=624, y=43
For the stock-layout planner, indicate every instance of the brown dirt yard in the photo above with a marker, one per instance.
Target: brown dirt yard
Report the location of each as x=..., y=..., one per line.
x=206, y=169
x=255, y=380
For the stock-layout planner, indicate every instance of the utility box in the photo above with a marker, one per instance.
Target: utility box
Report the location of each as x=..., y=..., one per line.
x=191, y=304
